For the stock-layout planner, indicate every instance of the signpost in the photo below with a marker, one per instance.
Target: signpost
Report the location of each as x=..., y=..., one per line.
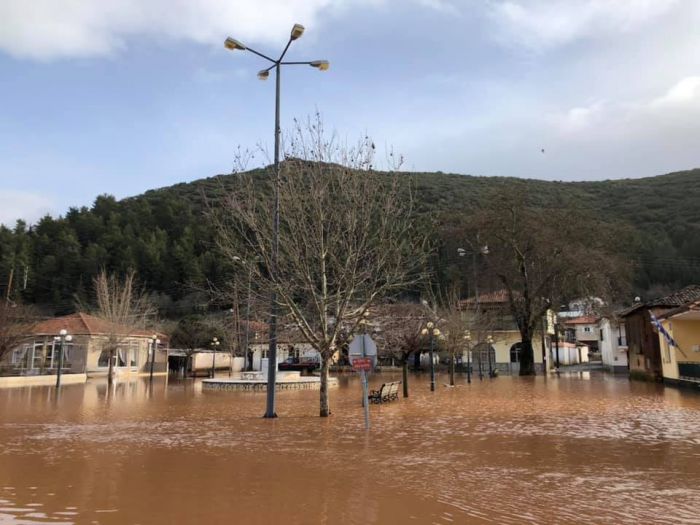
x=363, y=355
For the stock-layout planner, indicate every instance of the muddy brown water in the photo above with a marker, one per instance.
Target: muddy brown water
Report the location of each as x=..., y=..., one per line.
x=575, y=449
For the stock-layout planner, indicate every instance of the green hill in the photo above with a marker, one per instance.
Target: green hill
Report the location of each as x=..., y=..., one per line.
x=165, y=236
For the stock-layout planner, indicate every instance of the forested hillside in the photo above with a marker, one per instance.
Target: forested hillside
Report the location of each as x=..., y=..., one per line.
x=165, y=236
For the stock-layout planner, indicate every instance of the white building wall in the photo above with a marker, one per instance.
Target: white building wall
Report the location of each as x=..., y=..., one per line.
x=613, y=346
x=302, y=350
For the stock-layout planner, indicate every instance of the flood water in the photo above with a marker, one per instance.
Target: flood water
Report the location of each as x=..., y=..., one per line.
x=574, y=449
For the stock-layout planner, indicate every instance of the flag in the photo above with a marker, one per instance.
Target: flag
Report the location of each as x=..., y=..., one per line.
x=663, y=331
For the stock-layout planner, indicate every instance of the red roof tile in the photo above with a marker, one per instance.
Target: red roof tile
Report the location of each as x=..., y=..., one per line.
x=84, y=324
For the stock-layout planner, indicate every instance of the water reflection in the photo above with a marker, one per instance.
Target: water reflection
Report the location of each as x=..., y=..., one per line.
x=571, y=449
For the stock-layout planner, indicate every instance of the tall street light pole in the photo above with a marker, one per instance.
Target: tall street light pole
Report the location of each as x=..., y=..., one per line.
x=154, y=345
x=467, y=339
x=62, y=339
x=321, y=65
x=432, y=332
x=214, y=346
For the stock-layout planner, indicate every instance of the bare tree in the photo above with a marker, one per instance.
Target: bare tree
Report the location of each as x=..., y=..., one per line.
x=123, y=307
x=347, y=237
x=16, y=321
x=455, y=327
x=542, y=257
x=399, y=333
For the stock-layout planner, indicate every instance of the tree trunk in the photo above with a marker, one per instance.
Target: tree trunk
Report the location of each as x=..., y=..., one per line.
x=452, y=370
x=416, y=361
x=527, y=357
x=110, y=373
x=404, y=370
x=325, y=407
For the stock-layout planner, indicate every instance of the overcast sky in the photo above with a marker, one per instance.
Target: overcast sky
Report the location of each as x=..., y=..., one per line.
x=120, y=96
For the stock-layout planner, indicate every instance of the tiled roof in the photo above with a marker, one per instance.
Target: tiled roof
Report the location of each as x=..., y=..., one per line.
x=85, y=324
x=674, y=300
x=686, y=295
x=692, y=306
x=497, y=297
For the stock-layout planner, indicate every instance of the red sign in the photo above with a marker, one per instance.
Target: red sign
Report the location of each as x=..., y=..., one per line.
x=362, y=363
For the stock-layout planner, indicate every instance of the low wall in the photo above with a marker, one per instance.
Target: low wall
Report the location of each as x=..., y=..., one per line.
x=261, y=386
x=47, y=380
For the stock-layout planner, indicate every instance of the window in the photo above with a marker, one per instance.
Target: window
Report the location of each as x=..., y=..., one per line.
x=18, y=355
x=103, y=360
x=121, y=356
x=515, y=353
x=134, y=354
x=587, y=329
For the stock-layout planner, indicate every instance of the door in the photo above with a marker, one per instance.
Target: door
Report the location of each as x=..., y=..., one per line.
x=515, y=359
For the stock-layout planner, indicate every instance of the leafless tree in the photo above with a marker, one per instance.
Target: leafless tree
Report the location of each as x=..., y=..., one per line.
x=16, y=321
x=399, y=333
x=542, y=257
x=123, y=307
x=347, y=236
x=454, y=325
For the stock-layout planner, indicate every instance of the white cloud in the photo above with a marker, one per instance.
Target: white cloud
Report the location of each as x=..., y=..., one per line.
x=685, y=93
x=542, y=24
x=50, y=29
x=55, y=29
x=678, y=107
x=22, y=205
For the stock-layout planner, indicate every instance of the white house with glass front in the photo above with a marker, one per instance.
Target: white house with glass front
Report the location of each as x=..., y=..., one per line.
x=87, y=350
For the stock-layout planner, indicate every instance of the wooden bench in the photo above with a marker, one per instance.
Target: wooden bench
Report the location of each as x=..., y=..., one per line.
x=388, y=392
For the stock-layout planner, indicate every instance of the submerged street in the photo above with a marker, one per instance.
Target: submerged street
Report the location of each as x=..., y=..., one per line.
x=581, y=448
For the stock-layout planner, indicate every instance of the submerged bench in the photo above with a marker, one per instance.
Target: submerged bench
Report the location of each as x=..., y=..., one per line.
x=388, y=392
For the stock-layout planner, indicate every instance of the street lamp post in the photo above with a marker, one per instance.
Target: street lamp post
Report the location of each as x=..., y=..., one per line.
x=154, y=345
x=467, y=339
x=432, y=332
x=214, y=345
x=62, y=339
x=321, y=65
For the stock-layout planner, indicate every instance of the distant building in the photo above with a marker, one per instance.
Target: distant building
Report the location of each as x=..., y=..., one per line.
x=570, y=353
x=290, y=345
x=613, y=344
x=583, y=330
x=497, y=321
x=680, y=363
x=642, y=339
x=86, y=353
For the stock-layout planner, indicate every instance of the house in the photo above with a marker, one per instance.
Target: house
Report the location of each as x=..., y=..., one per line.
x=565, y=353
x=613, y=344
x=583, y=330
x=680, y=360
x=644, y=351
x=290, y=344
x=489, y=314
x=86, y=352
